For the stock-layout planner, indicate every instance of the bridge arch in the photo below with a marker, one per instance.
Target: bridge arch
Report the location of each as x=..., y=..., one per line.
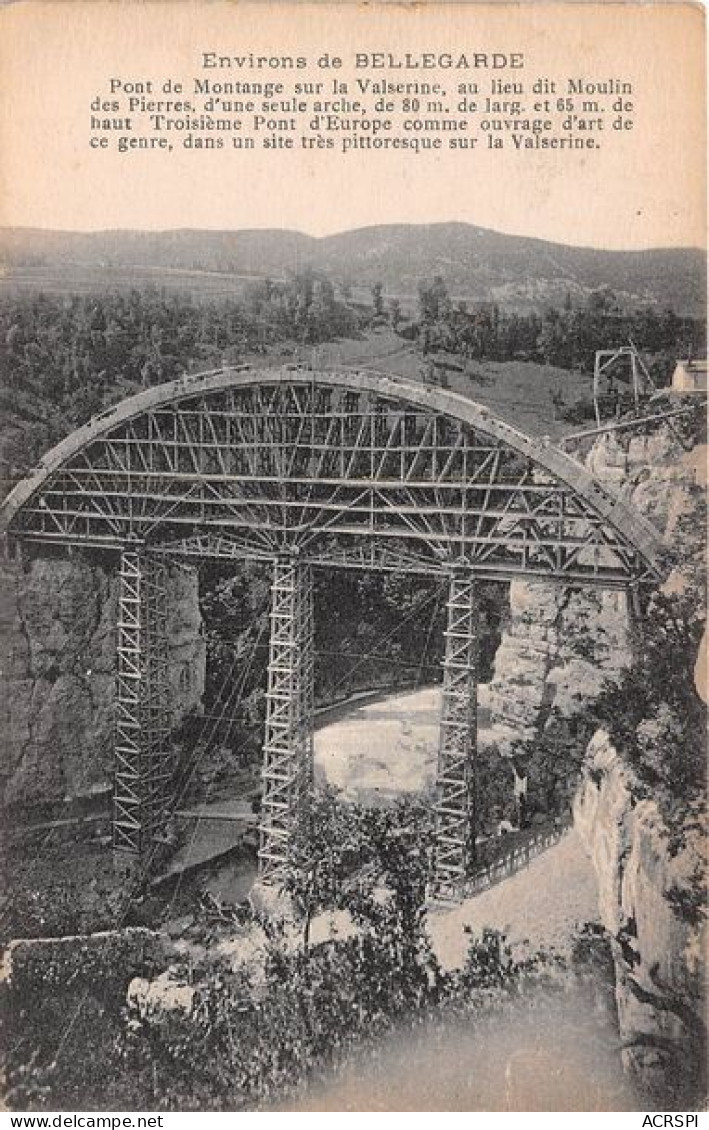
x=291, y=458
x=302, y=468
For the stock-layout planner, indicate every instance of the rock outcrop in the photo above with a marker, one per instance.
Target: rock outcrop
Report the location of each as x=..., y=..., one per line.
x=556, y=652
x=558, y=649
x=57, y=667
x=650, y=895
x=559, y=645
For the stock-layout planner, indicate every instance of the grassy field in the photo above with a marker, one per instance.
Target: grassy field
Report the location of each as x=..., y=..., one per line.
x=517, y=391
x=84, y=278
x=520, y=392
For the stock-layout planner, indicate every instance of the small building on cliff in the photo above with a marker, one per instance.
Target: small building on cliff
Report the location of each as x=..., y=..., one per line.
x=690, y=376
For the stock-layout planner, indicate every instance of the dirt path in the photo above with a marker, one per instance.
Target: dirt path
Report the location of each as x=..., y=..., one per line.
x=544, y=904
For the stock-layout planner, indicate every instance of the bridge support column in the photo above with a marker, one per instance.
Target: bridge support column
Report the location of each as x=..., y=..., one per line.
x=634, y=620
x=288, y=746
x=142, y=762
x=455, y=804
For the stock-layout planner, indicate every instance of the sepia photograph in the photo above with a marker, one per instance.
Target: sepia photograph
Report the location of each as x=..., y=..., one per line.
x=353, y=464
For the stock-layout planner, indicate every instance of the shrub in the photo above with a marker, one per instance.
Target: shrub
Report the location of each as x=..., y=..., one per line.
x=104, y=962
x=654, y=715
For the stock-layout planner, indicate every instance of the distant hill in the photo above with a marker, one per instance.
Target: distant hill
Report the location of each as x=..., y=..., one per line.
x=476, y=263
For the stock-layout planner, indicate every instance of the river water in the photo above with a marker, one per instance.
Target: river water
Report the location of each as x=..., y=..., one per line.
x=371, y=751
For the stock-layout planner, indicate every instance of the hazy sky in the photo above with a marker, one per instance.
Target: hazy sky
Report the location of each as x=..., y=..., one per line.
x=644, y=188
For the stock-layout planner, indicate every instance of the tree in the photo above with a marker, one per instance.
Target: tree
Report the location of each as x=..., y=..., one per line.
x=434, y=301
x=323, y=848
x=372, y=862
x=654, y=716
x=378, y=300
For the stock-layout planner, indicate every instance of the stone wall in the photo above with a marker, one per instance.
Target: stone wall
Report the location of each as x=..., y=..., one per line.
x=57, y=667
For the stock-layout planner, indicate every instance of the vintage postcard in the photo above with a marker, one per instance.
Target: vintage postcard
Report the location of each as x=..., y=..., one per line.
x=353, y=393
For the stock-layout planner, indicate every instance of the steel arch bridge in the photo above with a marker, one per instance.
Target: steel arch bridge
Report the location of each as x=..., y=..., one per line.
x=302, y=468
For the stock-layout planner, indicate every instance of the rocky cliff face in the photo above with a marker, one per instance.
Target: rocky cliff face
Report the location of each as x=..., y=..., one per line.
x=560, y=646
x=556, y=652
x=57, y=663
x=648, y=892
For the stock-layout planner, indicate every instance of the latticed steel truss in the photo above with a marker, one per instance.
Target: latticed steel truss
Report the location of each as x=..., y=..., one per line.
x=288, y=745
x=143, y=767
x=454, y=813
x=329, y=464
x=348, y=469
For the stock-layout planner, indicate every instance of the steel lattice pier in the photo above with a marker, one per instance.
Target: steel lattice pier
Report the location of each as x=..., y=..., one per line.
x=143, y=767
x=455, y=803
x=288, y=745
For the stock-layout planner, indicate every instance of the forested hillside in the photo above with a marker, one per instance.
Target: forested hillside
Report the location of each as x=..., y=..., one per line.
x=516, y=272
x=65, y=358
